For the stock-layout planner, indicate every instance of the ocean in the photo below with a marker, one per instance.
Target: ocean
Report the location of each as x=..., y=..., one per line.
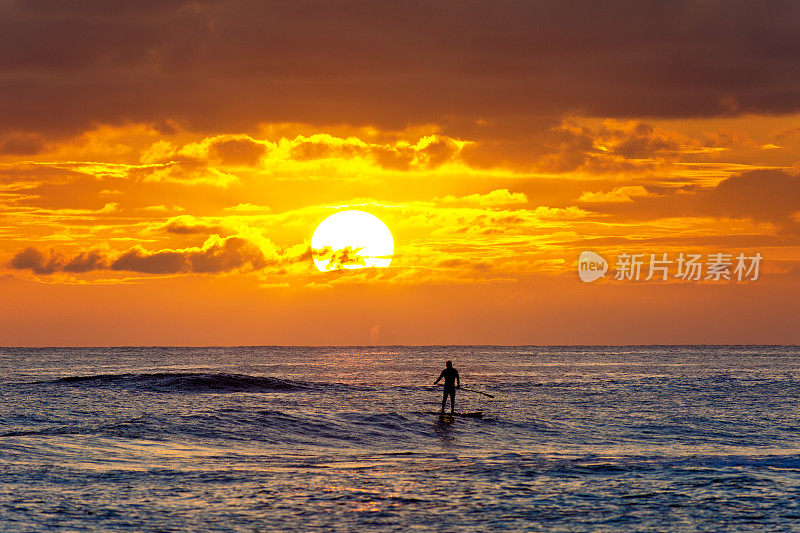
x=616, y=438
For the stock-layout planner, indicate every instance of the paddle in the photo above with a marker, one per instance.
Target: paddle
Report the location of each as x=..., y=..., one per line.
x=477, y=392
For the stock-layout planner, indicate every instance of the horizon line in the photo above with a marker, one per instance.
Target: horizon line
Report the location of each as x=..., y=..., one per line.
x=389, y=345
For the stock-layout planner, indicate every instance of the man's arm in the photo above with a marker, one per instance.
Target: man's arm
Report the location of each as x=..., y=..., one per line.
x=439, y=378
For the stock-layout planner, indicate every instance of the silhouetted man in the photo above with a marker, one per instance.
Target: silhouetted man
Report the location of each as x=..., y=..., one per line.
x=451, y=383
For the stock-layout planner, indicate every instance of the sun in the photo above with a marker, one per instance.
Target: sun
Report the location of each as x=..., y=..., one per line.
x=352, y=239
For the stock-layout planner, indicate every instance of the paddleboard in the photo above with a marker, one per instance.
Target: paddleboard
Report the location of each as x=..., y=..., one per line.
x=477, y=414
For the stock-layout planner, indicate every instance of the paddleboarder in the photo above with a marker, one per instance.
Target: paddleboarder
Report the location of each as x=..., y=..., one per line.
x=451, y=383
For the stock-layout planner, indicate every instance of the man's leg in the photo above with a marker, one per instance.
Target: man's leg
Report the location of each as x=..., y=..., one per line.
x=444, y=399
x=452, y=401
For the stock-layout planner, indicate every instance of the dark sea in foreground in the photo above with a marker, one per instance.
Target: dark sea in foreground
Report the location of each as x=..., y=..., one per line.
x=656, y=438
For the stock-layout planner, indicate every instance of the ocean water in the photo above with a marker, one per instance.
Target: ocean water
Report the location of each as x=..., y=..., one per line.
x=690, y=438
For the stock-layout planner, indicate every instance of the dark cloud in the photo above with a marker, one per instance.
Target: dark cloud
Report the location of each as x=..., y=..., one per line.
x=771, y=195
x=641, y=141
x=186, y=225
x=238, y=151
x=138, y=259
x=222, y=255
x=232, y=65
x=86, y=262
x=768, y=195
x=22, y=144
x=40, y=262
x=308, y=150
x=400, y=156
x=397, y=159
x=566, y=147
x=50, y=261
x=438, y=152
x=233, y=253
x=338, y=259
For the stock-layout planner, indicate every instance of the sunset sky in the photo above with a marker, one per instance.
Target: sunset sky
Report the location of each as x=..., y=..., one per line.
x=164, y=164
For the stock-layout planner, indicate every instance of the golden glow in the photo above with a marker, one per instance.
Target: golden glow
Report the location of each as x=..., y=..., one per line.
x=352, y=239
x=225, y=221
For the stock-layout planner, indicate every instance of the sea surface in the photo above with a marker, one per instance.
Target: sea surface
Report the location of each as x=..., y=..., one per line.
x=625, y=438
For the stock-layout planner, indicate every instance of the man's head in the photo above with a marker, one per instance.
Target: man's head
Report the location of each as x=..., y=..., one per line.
x=449, y=364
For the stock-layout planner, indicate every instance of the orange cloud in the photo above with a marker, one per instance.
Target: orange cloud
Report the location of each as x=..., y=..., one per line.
x=618, y=194
x=493, y=198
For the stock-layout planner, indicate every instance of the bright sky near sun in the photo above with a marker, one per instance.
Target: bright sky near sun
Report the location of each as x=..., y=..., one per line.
x=164, y=167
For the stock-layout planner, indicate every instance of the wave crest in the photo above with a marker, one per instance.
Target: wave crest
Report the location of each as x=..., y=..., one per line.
x=186, y=382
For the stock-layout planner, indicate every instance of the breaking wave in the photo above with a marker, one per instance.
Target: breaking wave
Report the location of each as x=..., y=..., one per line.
x=188, y=382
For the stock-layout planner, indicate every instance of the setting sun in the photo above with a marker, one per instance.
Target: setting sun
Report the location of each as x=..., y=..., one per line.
x=352, y=239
